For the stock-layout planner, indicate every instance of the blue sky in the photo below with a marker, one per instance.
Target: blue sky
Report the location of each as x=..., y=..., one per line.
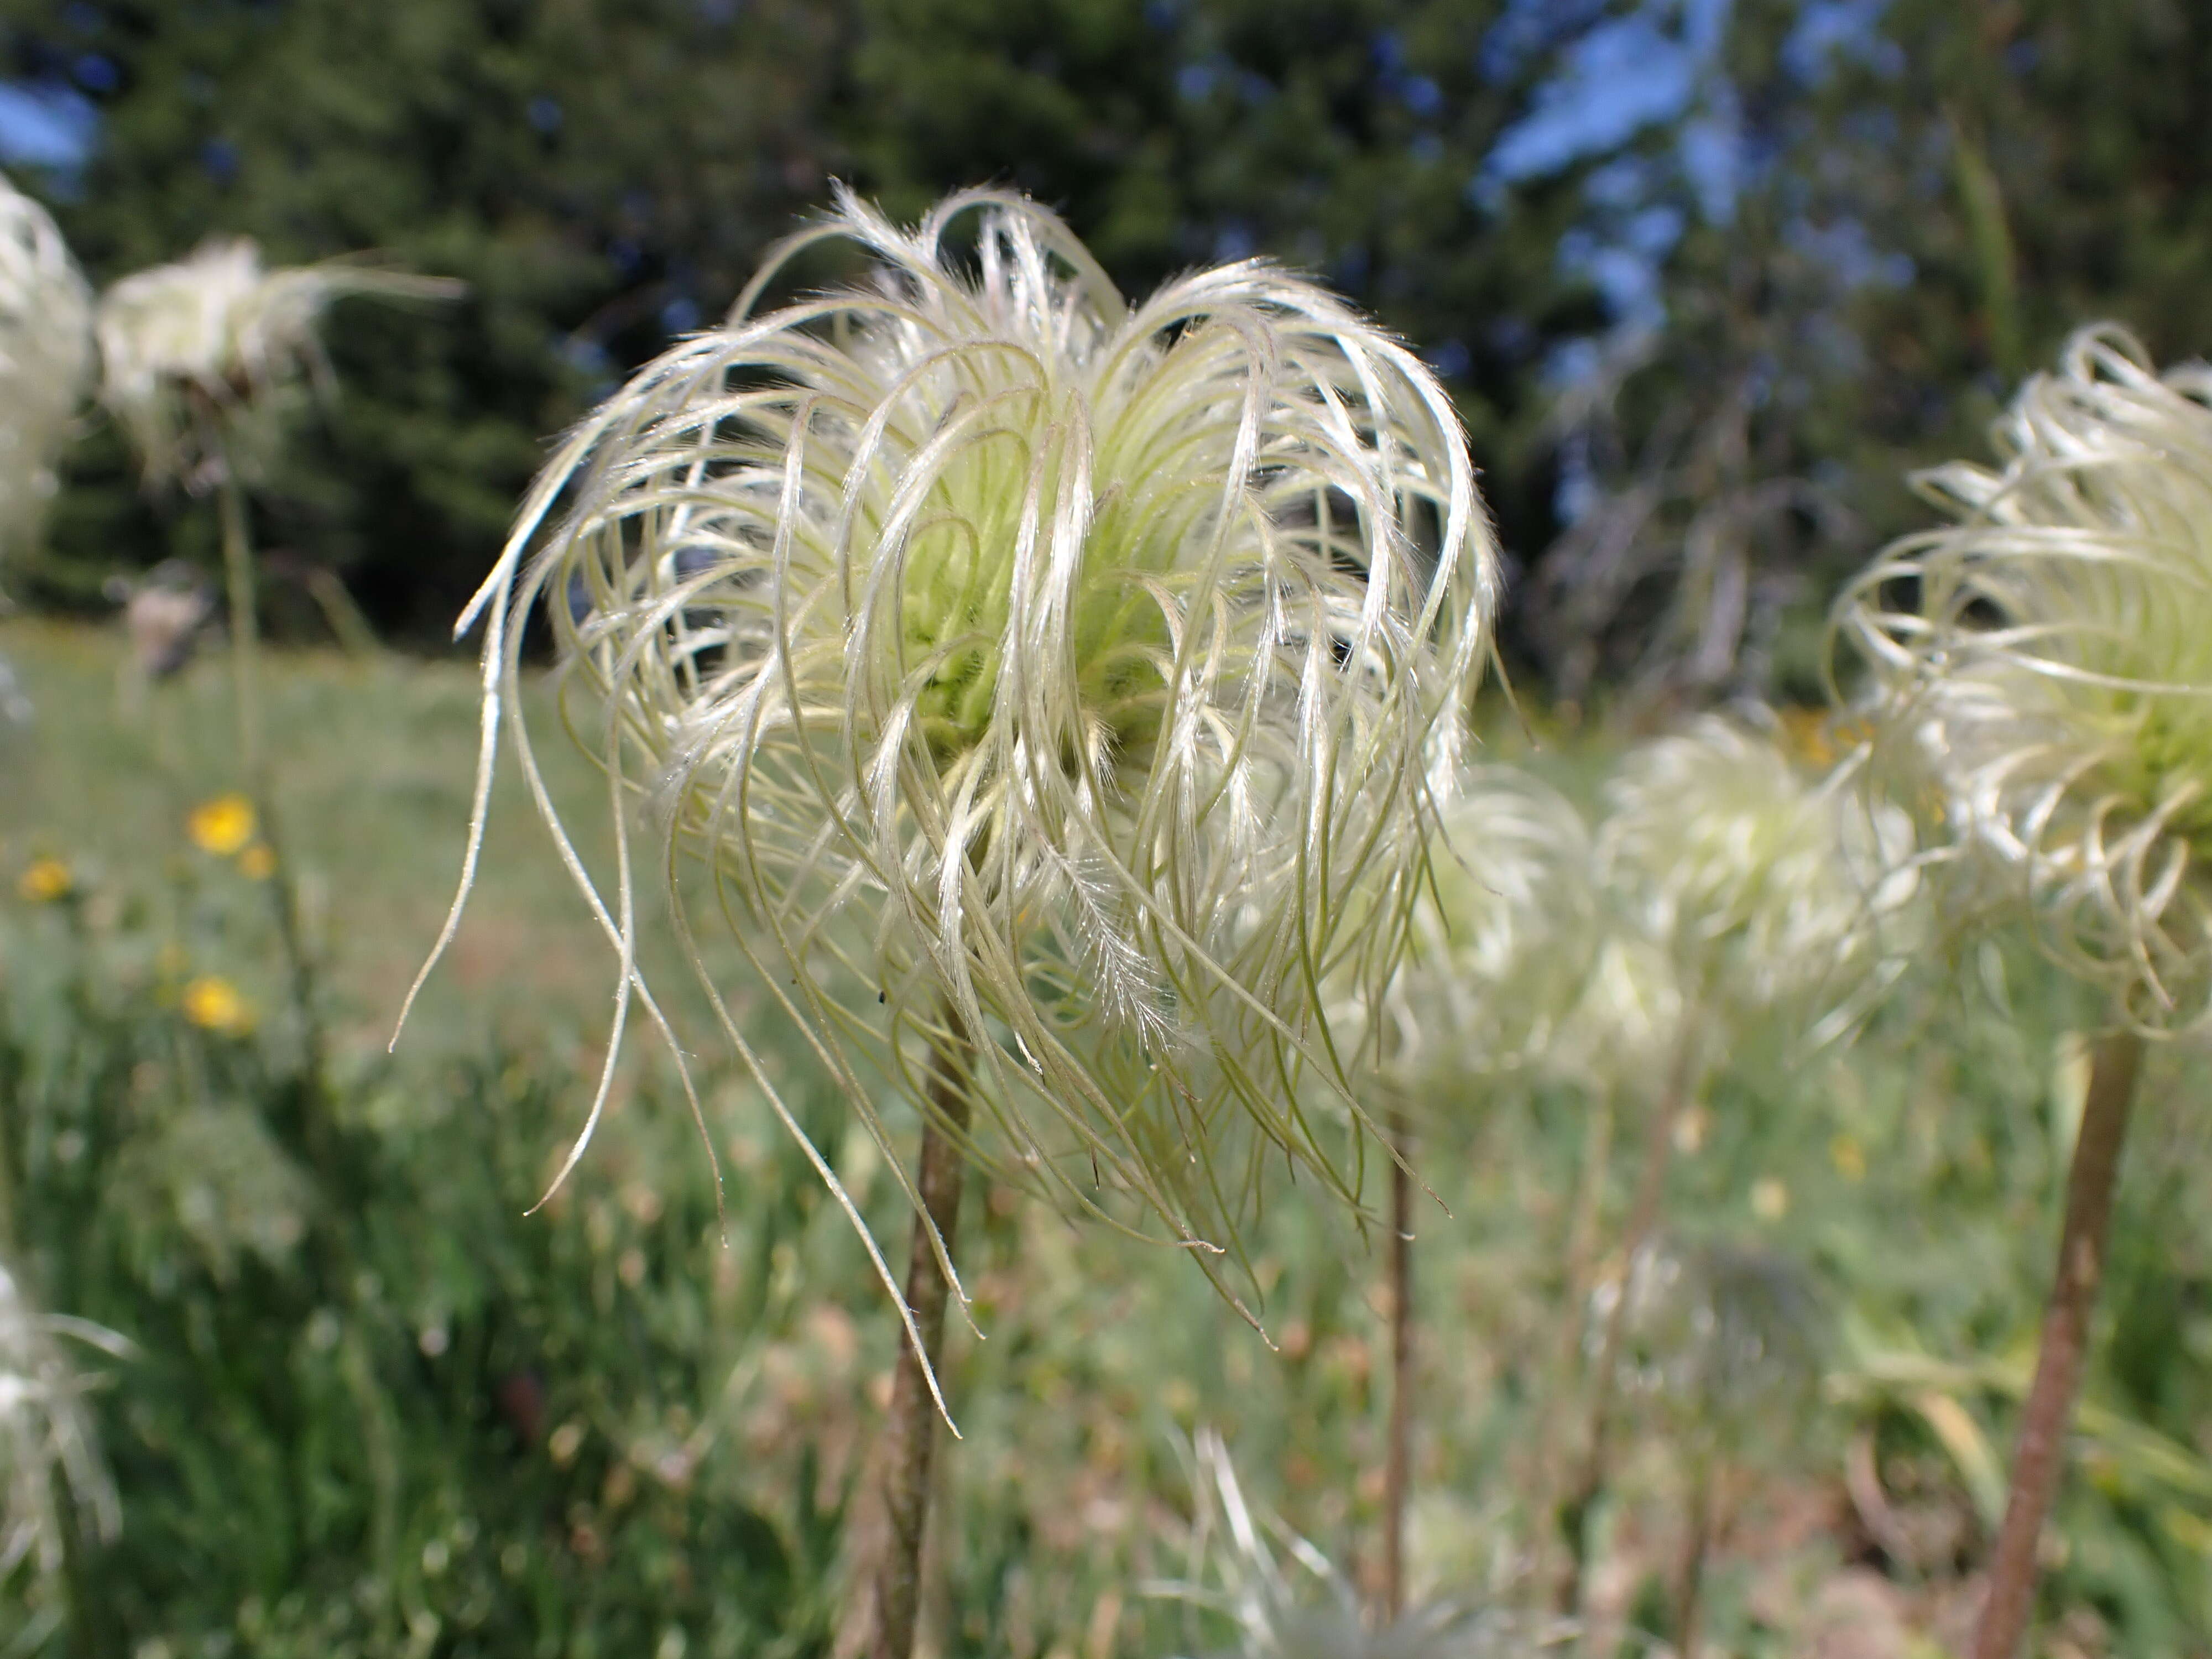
x=45, y=127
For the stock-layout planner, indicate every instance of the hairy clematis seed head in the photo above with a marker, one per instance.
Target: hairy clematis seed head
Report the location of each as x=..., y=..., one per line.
x=1764, y=886
x=218, y=338
x=46, y=1435
x=46, y=356
x=1282, y=1598
x=1503, y=937
x=1622, y=1031
x=2042, y=673
x=1042, y=689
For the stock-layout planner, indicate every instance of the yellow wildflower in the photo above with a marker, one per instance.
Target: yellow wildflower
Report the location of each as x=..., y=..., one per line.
x=1849, y=1158
x=221, y=826
x=1770, y=1199
x=213, y=1003
x=259, y=861
x=46, y=880
x=1805, y=733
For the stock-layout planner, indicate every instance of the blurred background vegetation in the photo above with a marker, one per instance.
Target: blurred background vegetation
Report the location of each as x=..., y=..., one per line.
x=1705, y=275
x=375, y=1403
x=1706, y=279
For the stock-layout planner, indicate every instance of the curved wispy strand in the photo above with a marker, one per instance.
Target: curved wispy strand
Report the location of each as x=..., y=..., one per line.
x=46, y=358
x=2042, y=671
x=217, y=336
x=1038, y=688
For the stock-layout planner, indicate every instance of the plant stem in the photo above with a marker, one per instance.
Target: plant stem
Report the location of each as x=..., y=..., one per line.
x=1396, y=1463
x=89, y=1635
x=1696, y=1545
x=1552, y=1452
x=1643, y=1221
x=245, y=626
x=2039, y=1458
x=245, y=674
x=912, y=1430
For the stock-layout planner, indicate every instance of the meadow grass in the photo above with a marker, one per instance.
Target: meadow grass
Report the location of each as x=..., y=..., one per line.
x=433, y=1423
x=374, y=759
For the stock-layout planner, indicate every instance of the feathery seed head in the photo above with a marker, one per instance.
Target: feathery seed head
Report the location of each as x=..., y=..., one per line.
x=1763, y=884
x=1288, y=1600
x=216, y=338
x=46, y=356
x=1724, y=1339
x=1504, y=936
x=46, y=1434
x=2043, y=669
x=1623, y=1031
x=1033, y=674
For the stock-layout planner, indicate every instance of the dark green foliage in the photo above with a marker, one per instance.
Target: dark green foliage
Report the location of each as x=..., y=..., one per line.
x=1919, y=213
x=599, y=174
x=605, y=175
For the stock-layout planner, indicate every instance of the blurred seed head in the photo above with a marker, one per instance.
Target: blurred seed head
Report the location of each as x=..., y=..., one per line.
x=2042, y=671
x=47, y=1439
x=1287, y=1600
x=1765, y=887
x=1622, y=1031
x=197, y=358
x=165, y=614
x=1504, y=936
x=214, y=1177
x=45, y=358
x=1025, y=668
x=1725, y=1340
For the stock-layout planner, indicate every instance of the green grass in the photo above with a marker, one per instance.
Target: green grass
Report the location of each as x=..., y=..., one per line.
x=375, y=764
x=421, y=1420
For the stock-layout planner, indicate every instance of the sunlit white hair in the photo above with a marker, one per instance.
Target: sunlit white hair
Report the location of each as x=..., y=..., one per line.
x=46, y=358
x=1765, y=887
x=1030, y=674
x=2043, y=669
x=216, y=338
x=46, y=1434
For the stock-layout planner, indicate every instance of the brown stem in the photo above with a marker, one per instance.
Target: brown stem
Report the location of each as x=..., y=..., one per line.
x=1690, y=1574
x=1396, y=1463
x=1642, y=1220
x=1549, y=1452
x=2039, y=1458
x=911, y=1433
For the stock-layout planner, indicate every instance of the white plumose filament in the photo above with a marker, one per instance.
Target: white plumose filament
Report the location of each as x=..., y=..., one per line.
x=45, y=355
x=1036, y=674
x=2043, y=669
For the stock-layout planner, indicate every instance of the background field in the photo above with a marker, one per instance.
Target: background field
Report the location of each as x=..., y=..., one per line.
x=376, y=1407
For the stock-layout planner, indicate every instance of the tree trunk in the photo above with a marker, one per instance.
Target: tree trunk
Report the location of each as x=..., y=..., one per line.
x=2039, y=1459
